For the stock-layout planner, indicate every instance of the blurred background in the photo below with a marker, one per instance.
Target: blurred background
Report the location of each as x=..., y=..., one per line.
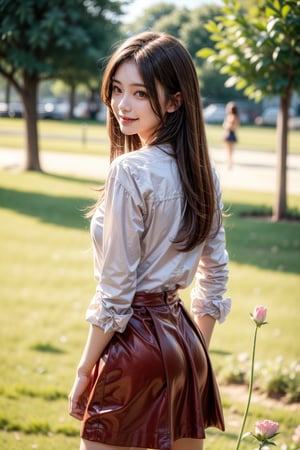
x=54, y=150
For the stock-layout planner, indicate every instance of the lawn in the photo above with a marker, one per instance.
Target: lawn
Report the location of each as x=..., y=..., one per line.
x=46, y=284
x=90, y=137
x=57, y=135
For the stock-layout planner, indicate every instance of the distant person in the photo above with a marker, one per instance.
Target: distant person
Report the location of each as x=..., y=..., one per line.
x=145, y=378
x=230, y=125
x=93, y=109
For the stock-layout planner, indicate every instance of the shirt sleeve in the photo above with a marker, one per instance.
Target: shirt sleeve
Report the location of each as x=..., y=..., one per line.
x=123, y=226
x=212, y=273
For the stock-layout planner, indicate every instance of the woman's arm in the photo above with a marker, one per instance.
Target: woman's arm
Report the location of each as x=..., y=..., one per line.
x=206, y=324
x=210, y=286
x=96, y=342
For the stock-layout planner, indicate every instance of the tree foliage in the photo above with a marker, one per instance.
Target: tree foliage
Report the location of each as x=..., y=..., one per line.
x=188, y=25
x=174, y=22
x=259, y=49
x=36, y=36
x=150, y=17
x=42, y=40
x=194, y=33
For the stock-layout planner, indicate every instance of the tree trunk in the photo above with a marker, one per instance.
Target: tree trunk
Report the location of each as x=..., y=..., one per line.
x=280, y=206
x=7, y=93
x=72, y=100
x=29, y=97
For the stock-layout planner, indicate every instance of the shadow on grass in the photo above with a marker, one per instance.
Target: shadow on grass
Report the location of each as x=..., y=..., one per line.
x=252, y=241
x=260, y=242
x=220, y=352
x=86, y=181
x=66, y=211
x=46, y=348
x=63, y=211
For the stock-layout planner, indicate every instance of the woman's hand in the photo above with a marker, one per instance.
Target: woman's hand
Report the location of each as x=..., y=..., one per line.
x=96, y=342
x=78, y=396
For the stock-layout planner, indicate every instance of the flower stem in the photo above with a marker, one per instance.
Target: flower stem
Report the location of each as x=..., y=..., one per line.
x=249, y=392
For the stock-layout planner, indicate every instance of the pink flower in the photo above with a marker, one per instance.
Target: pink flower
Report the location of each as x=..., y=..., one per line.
x=296, y=435
x=266, y=429
x=259, y=315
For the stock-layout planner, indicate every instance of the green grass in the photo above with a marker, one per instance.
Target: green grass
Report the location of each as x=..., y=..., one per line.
x=53, y=136
x=57, y=135
x=254, y=138
x=46, y=283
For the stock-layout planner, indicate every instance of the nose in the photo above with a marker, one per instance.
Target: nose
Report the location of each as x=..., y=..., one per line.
x=124, y=103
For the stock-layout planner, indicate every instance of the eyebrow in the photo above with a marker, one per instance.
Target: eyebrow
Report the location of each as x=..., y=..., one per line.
x=132, y=84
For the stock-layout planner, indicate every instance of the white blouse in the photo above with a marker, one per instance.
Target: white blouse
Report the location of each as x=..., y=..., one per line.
x=132, y=233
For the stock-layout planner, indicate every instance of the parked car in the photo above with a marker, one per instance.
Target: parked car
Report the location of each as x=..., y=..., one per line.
x=51, y=108
x=214, y=113
x=45, y=108
x=102, y=114
x=81, y=110
x=294, y=123
x=13, y=109
x=88, y=110
x=269, y=116
x=3, y=109
x=61, y=111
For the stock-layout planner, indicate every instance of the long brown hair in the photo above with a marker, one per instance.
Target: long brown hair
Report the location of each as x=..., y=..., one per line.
x=160, y=57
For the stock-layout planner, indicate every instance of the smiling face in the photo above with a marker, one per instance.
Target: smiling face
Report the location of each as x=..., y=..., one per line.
x=131, y=105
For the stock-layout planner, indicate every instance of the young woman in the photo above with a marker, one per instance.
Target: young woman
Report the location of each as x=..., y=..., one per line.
x=230, y=125
x=145, y=379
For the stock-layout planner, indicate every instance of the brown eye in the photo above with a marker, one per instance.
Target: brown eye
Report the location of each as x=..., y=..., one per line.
x=115, y=89
x=141, y=94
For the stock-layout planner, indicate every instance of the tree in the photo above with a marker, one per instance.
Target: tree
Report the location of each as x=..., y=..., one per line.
x=188, y=25
x=259, y=47
x=42, y=40
x=86, y=69
x=194, y=33
x=174, y=22
x=195, y=36
x=149, y=18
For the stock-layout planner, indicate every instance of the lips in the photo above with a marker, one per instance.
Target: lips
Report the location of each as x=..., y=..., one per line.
x=126, y=120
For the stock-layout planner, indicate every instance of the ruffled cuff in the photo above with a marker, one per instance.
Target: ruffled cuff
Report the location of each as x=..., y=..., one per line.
x=105, y=316
x=218, y=309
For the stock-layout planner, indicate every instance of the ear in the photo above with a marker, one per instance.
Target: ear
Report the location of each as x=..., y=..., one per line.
x=175, y=102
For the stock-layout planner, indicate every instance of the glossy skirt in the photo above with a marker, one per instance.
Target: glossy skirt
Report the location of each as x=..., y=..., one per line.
x=154, y=384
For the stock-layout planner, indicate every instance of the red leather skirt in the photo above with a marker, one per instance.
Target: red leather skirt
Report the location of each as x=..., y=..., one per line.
x=154, y=383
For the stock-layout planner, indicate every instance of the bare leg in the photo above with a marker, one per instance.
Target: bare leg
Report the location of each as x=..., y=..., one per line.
x=229, y=149
x=188, y=444
x=90, y=445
